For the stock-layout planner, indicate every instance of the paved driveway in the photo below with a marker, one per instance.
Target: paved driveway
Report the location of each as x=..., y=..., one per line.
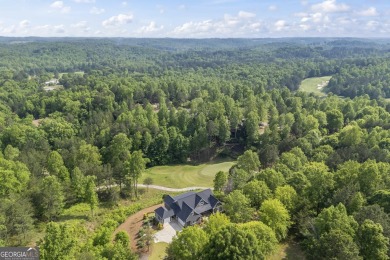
x=167, y=233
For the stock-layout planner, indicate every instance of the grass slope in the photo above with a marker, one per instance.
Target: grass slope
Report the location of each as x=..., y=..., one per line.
x=311, y=85
x=181, y=176
x=158, y=251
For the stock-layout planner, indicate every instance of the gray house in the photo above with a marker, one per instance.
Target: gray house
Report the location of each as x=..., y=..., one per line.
x=187, y=209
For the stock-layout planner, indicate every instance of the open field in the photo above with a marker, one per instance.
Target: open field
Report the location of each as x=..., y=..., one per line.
x=158, y=251
x=315, y=85
x=181, y=176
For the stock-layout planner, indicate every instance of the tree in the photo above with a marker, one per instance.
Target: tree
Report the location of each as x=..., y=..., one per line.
x=90, y=193
x=120, y=249
x=321, y=183
x=119, y=152
x=54, y=162
x=216, y=222
x=373, y=244
x=237, y=207
x=376, y=214
x=11, y=153
x=265, y=236
x=335, y=245
x=275, y=215
x=288, y=196
x=335, y=120
x=249, y=162
x=135, y=166
x=88, y=159
x=350, y=135
x=257, y=192
x=14, y=177
x=333, y=218
x=252, y=127
x=189, y=244
x=220, y=181
x=238, y=178
x=148, y=181
x=271, y=177
x=18, y=221
x=59, y=242
x=51, y=198
x=233, y=242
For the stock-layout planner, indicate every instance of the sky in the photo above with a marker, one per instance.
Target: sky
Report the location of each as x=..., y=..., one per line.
x=195, y=19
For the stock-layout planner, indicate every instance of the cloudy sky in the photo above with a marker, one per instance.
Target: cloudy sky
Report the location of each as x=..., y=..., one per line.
x=195, y=19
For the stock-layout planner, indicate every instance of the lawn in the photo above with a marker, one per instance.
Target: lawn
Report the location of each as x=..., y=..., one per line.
x=314, y=85
x=158, y=251
x=287, y=251
x=181, y=176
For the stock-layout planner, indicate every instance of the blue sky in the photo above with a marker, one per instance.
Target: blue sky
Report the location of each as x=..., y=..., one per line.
x=195, y=19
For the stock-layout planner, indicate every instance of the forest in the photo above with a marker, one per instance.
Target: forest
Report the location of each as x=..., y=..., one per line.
x=82, y=118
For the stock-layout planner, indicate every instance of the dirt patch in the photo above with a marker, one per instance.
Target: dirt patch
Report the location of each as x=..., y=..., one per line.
x=133, y=224
x=37, y=122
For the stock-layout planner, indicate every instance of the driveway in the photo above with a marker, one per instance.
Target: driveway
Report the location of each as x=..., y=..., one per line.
x=167, y=233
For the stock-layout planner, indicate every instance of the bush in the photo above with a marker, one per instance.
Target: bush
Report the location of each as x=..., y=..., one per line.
x=159, y=226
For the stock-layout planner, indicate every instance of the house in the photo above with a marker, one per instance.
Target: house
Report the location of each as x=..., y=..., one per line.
x=187, y=209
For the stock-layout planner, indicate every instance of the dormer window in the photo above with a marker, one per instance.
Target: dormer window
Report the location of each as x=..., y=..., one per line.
x=201, y=203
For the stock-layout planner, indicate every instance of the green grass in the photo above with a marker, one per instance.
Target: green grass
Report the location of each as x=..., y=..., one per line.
x=181, y=176
x=288, y=251
x=311, y=85
x=158, y=251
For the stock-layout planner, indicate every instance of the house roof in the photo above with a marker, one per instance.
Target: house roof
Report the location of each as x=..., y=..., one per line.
x=164, y=212
x=183, y=205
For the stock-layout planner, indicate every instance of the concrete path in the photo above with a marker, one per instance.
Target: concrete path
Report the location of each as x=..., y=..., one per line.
x=173, y=189
x=160, y=188
x=167, y=233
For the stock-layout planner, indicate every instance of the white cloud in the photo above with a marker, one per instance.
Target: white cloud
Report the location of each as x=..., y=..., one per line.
x=24, y=23
x=242, y=24
x=272, y=8
x=151, y=27
x=182, y=7
x=368, y=12
x=280, y=25
x=315, y=18
x=59, y=5
x=95, y=10
x=81, y=24
x=330, y=6
x=124, y=3
x=84, y=1
x=117, y=20
x=243, y=14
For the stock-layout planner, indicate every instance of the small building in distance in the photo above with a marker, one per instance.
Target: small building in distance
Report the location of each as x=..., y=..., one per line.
x=187, y=209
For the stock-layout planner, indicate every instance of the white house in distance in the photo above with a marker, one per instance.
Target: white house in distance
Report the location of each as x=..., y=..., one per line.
x=187, y=209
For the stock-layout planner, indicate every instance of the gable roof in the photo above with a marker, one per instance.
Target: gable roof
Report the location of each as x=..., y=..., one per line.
x=183, y=205
x=164, y=212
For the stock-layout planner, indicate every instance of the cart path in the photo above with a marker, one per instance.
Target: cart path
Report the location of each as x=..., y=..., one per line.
x=172, y=189
x=161, y=188
x=133, y=224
